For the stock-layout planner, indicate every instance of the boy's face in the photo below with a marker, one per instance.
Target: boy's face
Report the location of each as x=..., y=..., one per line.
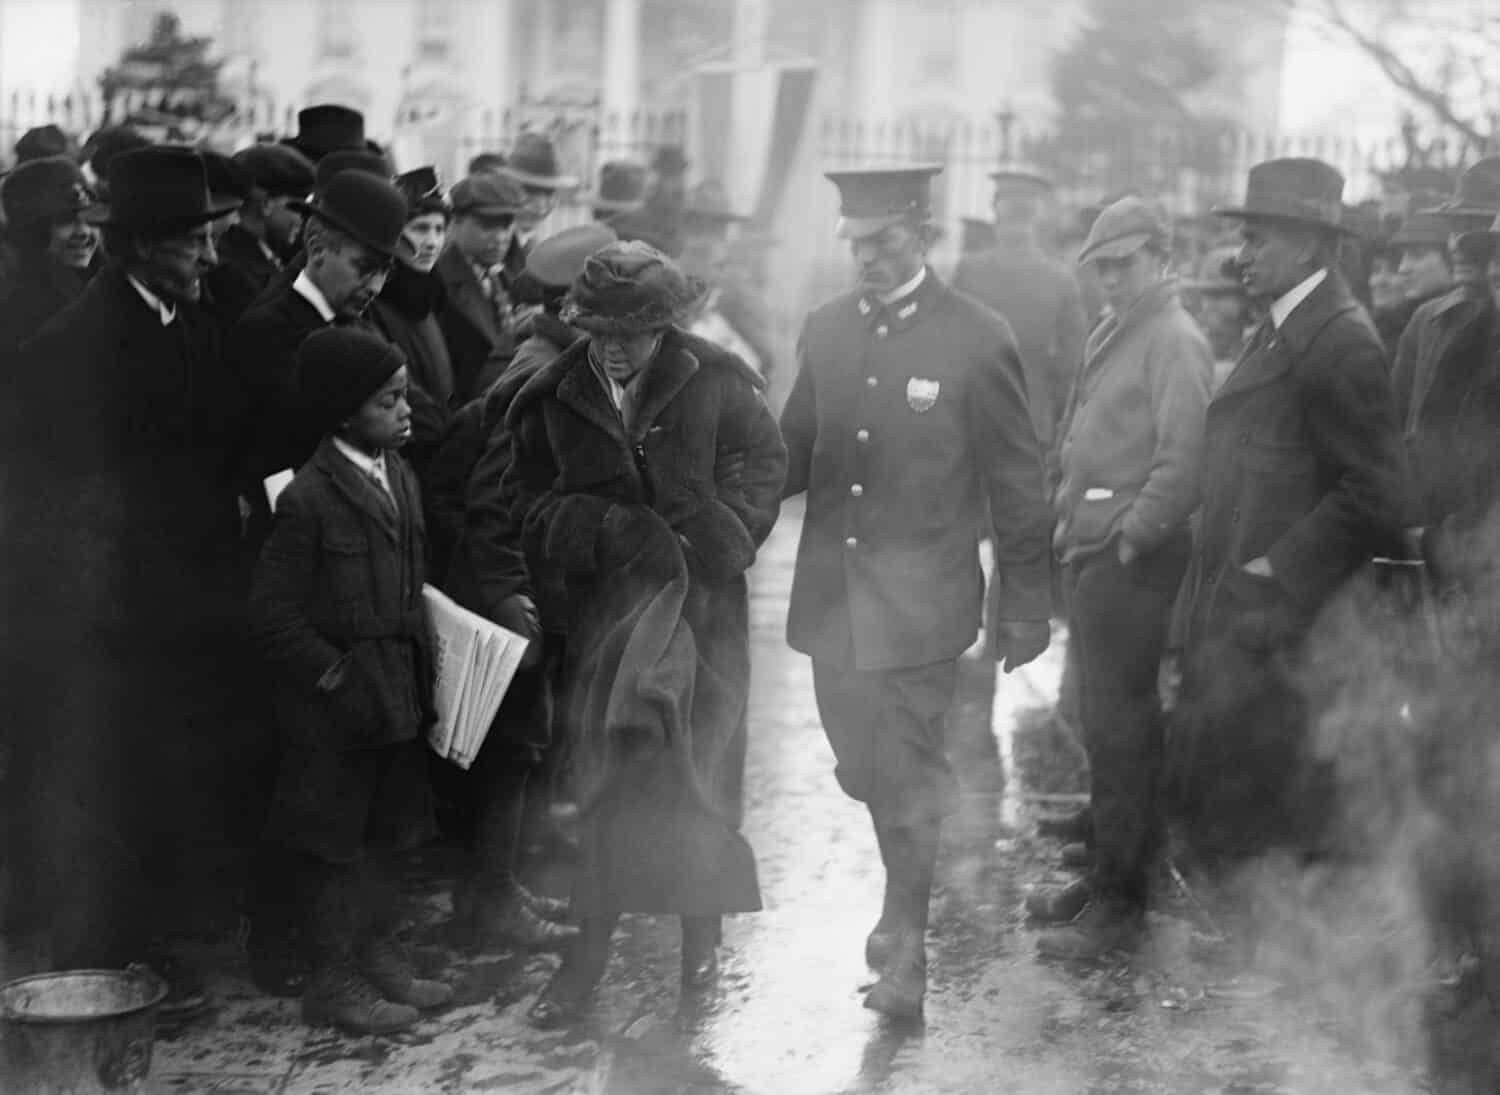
x=384, y=420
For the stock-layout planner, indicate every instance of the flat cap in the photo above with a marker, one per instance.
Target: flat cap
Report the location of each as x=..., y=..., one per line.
x=277, y=170
x=488, y=196
x=1123, y=228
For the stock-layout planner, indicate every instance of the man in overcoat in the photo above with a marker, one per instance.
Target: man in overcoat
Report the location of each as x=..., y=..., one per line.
x=908, y=420
x=266, y=237
x=1302, y=479
x=121, y=551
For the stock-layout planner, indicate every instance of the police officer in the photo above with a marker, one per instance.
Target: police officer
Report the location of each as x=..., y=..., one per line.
x=908, y=419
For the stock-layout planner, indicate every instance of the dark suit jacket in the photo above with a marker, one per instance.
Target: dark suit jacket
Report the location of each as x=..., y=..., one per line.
x=242, y=275
x=340, y=578
x=906, y=424
x=1302, y=464
x=262, y=352
x=469, y=323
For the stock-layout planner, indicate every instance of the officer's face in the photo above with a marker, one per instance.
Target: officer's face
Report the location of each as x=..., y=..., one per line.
x=1424, y=271
x=73, y=242
x=890, y=258
x=1124, y=280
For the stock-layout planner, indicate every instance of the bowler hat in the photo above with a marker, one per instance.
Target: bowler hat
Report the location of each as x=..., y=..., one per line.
x=1298, y=189
x=350, y=159
x=533, y=162
x=708, y=209
x=277, y=170
x=43, y=142
x=557, y=261
x=1123, y=228
x=1217, y=273
x=622, y=186
x=41, y=190
x=327, y=128
x=629, y=287
x=338, y=368
x=487, y=196
x=1425, y=228
x=368, y=209
x=159, y=186
x=423, y=192
x=873, y=198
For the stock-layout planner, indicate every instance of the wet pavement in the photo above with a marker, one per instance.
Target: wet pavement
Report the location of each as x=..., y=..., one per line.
x=1191, y=1013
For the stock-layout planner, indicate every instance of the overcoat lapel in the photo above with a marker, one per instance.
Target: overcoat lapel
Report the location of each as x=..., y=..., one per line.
x=662, y=380
x=465, y=294
x=350, y=482
x=580, y=391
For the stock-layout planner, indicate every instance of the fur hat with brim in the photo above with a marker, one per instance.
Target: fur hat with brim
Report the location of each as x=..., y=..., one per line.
x=364, y=207
x=627, y=288
x=338, y=368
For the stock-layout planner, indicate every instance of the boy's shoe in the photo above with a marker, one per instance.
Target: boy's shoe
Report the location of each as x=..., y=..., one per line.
x=386, y=965
x=1059, y=904
x=338, y=996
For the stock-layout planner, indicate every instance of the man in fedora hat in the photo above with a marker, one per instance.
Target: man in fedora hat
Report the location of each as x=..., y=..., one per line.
x=1302, y=480
x=907, y=423
x=476, y=316
x=124, y=576
x=1037, y=295
x=622, y=189
x=57, y=250
x=533, y=163
x=1418, y=252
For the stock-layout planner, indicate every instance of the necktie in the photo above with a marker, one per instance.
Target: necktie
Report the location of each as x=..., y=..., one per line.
x=383, y=489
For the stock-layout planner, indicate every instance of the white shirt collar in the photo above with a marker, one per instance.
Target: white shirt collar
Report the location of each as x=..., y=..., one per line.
x=1284, y=304
x=904, y=290
x=309, y=292
x=164, y=311
x=265, y=249
x=373, y=466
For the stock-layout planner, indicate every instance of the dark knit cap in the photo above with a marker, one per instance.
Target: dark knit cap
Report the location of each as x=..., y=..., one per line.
x=338, y=368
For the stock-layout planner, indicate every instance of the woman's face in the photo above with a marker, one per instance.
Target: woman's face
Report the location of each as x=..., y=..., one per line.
x=73, y=242
x=422, y=241
x=624, y=355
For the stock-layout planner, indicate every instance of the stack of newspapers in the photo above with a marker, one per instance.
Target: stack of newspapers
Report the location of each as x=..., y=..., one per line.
x=475, y=660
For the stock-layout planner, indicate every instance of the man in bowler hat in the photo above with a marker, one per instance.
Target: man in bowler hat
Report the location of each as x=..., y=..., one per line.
x=907, y=422
x=1302, y=483
x=122, y=565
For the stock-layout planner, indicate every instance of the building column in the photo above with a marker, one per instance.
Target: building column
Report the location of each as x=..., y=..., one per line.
x=621, y=93
x=752, y=99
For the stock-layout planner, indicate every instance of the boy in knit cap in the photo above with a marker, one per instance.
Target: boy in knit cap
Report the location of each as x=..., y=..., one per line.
x=336, y=609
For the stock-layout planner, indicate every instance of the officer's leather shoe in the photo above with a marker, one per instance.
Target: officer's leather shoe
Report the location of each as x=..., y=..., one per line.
x=1102, y=928
x=512, y=923
x=1059, y=904
x=338, y=996
x=387, y=966
x=1074, y=828
x=1079, y=856
x=903, y=981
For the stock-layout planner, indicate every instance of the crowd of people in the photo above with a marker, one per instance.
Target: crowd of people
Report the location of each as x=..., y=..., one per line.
x=260, y=401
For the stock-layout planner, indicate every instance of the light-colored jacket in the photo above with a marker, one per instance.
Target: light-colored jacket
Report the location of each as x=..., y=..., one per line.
x=1133, y=434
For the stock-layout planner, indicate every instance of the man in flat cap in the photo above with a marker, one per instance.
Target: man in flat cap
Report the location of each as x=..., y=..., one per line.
x=122, y=564
x=907, y=423
x=476, y=318
x=266, y=237
x=1302, y=485
x=1037, y=295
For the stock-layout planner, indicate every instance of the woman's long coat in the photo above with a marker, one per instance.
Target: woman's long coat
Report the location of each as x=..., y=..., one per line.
x=591, y=500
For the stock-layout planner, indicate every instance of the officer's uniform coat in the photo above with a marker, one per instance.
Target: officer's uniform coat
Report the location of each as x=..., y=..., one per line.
x=904, y=426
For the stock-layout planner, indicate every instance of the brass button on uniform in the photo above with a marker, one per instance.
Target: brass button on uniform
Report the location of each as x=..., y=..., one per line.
x=862, y=435
x=856, y=490
x=871, y=382
x=852, y=542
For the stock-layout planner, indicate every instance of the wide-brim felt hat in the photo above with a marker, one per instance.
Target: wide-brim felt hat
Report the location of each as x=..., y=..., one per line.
x=44, y=190
x=1478, y=190
x=1424, y=228
x=1483, y=238
x=533, y=162
x=1123, y=228
x=1296, y=189
x=872, y=199
x=327, y=128
x=630, y=287
x=557, y=261
x=366, y=208
x=159, y=186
